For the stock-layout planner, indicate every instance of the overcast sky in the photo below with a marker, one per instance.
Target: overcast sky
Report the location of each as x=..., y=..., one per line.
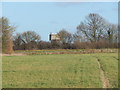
x=46, y=17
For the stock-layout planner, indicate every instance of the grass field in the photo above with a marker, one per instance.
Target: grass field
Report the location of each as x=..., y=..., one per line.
x=61, y=71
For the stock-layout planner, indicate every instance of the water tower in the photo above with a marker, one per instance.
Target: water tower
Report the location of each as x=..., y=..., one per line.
x=54, y=37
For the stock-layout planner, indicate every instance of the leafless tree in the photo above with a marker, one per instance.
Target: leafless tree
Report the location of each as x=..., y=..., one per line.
x=112, y=33
x=27, y=40
x=65, y=36
x=6, y=33
x=94, y=27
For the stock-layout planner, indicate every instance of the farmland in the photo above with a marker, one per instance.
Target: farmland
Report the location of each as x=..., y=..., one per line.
x=96, y=70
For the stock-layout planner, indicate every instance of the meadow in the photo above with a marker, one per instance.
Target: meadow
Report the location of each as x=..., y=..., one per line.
x=95, y=70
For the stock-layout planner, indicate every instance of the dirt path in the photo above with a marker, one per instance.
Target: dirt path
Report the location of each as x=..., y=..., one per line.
x=18, y=54
x=104, y=79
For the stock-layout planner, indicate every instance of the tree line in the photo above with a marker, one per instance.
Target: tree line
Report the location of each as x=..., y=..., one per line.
x=94, y=32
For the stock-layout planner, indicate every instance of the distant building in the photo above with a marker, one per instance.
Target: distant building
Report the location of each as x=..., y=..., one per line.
x=54, y=37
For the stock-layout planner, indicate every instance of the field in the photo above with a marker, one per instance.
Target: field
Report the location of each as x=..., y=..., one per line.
x=98, y=70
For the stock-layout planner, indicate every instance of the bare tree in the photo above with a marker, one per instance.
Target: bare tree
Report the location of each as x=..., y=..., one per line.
x=65, y=36
x=93, y=27
x=18, y=42
x=7, y=31
x=30, y=36
x=27, y=40
x=112, y=33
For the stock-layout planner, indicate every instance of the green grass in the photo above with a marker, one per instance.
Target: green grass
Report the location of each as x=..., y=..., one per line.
x=59, y=71
x=110, y=66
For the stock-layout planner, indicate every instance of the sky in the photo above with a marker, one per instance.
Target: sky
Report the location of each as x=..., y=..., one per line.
x=51, y=17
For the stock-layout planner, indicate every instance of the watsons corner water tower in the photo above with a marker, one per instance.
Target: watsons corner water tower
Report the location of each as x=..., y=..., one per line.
x=54, y=37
